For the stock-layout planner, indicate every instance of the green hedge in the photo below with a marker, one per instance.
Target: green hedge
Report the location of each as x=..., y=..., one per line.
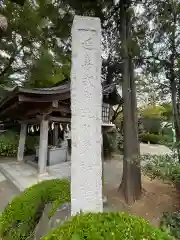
x=9, y=144
x=152, y=125
x=19, y=219
x=106, y=226
x=170, y=223
x=152, y=138
x=164, y=167
x=31, y=143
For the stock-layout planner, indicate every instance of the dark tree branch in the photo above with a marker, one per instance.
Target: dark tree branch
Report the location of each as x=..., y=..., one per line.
x=116, y=113
x=11, y=60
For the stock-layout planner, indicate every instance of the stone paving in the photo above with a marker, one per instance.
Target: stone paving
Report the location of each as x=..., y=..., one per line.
x=7, y=192
x=23, y=175
x=154, y=149
x=20, y=175
x=2, y=177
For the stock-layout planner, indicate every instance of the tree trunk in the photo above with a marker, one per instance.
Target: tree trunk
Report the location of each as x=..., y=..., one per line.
x=173, y=83
x=176, y=116
x=131, y=180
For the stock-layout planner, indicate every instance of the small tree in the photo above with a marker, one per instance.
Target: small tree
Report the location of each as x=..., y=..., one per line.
x=152, y=116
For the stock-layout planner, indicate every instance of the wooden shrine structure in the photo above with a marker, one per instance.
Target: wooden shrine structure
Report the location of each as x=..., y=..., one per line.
x=43, y=106
x=33, y=105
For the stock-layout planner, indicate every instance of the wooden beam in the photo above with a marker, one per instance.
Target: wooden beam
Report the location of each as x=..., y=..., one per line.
x=63, y=109
x=60, y=109
x=39, y=118
x=55, y=104
x=46, y=98
x=48, y=110
x=29, y=121
x=9, y=108
x=38, y=110
x=59, y=119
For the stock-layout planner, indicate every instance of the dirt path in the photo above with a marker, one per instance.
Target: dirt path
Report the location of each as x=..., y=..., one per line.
x=157, y=198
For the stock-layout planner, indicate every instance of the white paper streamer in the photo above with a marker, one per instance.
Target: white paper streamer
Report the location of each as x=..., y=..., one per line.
x=32, y=129
x=61, y=128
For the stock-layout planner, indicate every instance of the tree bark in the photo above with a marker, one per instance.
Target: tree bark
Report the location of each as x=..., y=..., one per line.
x=131, y=179
x=176, y=115
x=173, y=81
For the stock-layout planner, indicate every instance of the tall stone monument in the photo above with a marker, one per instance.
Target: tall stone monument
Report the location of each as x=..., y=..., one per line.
x=86, y=105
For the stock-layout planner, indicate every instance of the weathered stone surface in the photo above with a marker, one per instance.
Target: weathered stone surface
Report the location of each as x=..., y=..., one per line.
x=43, y=147
x=42, y=227
x=46, y=224
x=86, y=110
x=61, y=215
x=22, y=140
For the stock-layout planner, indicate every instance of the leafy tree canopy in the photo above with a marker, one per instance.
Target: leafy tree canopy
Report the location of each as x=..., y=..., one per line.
x=152, y=111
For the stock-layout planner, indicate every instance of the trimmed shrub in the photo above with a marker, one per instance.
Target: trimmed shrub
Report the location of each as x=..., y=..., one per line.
x=120, y=143
x=106, y=226
x=112, y=139
x=152, y=125
x=112, y=142
x=167, y=131
x=152, y=138
x=170, y=223
x=31, y=143
x=164, y=167
x=9, y=144
x=115, y=140
x=21, y=216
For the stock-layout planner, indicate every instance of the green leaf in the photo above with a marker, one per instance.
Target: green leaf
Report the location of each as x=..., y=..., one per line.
x=75, y=237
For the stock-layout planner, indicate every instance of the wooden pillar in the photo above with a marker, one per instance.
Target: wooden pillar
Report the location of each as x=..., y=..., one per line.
x=55, y=134
x=22, y=141
x=43, y=147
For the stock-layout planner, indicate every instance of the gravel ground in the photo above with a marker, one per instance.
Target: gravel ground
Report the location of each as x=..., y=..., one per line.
x=154, y=149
